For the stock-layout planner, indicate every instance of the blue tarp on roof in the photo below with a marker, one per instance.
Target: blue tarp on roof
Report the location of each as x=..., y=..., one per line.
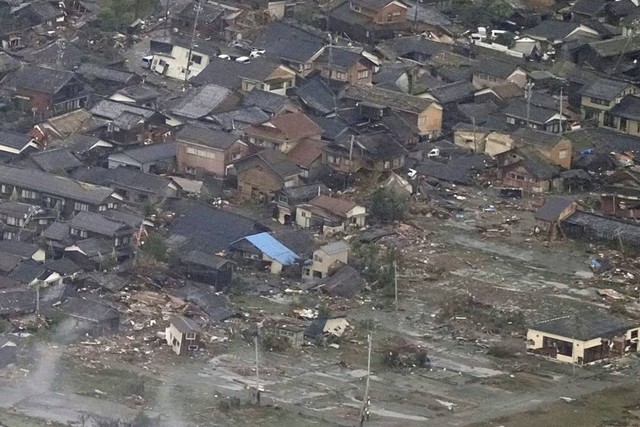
x=273, y=248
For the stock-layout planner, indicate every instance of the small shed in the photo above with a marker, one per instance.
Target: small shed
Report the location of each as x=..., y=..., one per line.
x=293, y=333
x=211, y=269
x=549, y=216
x=183, y=335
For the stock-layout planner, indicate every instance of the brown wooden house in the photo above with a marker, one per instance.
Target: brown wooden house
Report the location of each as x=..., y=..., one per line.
x=262, y=174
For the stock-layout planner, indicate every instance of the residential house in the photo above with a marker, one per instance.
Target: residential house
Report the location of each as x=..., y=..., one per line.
x=105, y=80
x=415, y=48
x=132, y=185
x=583, y=338
x=260, y=73
x=620, y=194
x=307, y=155
x=377, y=152
x=57, y=160
x=199, y=102
x=262, y=174
x=205, y=150
x=45, y=92
x=600, y=96
x=330, y=214
x=343, y=283
x=152, y=158
x=211, y=19
x=295, y=47
x=266, y=249
x=88, y=316
x=550, y=216
x=556, y=148
x=326, y=260
x=490, y=72
x=425, y=115
x=183, y=335
x=206, y=268
x=17, y=219
x=345, y=65
x=65, y=195
x=172, y=59
x=269, y=102
x=283, y=132
x=624, y=116
x=471, y=137
x=608, y=56
x=553, y=33
x=287, y=199
x=526, y=168
x=141, y=95
x=14, y=143
x=130, y=125
x=90, y=224
x=66, y=126
x=369, y=21
x=497, y=143
x=238, y=119
x=540, y=118
x=39, y=13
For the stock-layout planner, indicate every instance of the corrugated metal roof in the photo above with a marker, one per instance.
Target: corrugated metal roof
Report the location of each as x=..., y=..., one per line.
x=273, y=248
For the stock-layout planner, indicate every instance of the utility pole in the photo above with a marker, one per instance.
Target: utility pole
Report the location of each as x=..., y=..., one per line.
x=255, y=342
x=395, y=282
x=415, y=18
x=528, y=88
x=475, y=144
x=166, y=18
x=38, y=298
x=364, y=412
x=198, y=8
x=561, y=109
x=351, y=140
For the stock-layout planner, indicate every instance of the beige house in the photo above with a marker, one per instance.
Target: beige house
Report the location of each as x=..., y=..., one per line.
x=183, y=335
x=470, y=137
x=601, y=96
x=331, y=214
x=325, y=259
x=497, y=143
x=583, y=339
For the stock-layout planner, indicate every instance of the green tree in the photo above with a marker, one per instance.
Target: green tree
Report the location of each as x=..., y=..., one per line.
x=156, y=247
x=505, y=39
x=387, y=205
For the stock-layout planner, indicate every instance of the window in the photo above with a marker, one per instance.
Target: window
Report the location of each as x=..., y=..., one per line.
x=201, y=153
x=196, y=59
x=363, y=74
x=609, y=120
x=317, y=258
x=307, y=66
x=511, y=120
x=564, y=348
x=422, y=120
x=73, y=231
x=112, y=206
x=7, y=235
x=623, y=124
x=77, y=206
x=11, y=220
x=599, y=101
x=27, y=194
x=193, y=347
x=339, y=75
x=102, y=208
x=563, y=154
x=190, y=336
x=386, y=165
x=3, y=188
x=83, y=233
x=634, y=334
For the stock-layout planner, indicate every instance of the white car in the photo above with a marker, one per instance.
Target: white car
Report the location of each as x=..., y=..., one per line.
x=223, y=56
x=243, y=59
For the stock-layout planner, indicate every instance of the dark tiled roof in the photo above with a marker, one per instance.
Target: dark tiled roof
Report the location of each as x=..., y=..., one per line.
x=628, y=107
x=400, y=47
x=274, y=159
x=204, y=259
x=229, y=73
x=585, y=326
x=111, y=110
x=240, y=118
x=23, y=250
x=288, y=42
x=124, y=177
x=54, y=185
x=341, y=57
x=152, y=152
x=603, y=141
x=588, y=7
x=139, y=93
x=59, y=159
x=14, y=140
x=453, y=92
x=37, y=79
x=494, y=67
x=203, y=135
x=208, y=12
x=394, y=100
x=216, y=306
x=553, y=208
x=200, y=101
x=93, y=71
x=184, y=325
x=317, y=95
x=552, y=30
x=603, y=88
x=96, y=223
x=266, y=101
x=518, y=108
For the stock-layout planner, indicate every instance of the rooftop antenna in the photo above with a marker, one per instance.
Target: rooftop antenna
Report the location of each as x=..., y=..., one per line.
x=198, y=9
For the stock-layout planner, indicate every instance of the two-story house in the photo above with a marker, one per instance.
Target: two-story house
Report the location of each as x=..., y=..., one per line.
x=345, y=65
x=260, y=73
x=211, y=19
x=369, y=21
x=536, y=117
x=183, y=335
x=45, y=92
x=62, y=194
x=172, y=59
x=377, y=152
x=424, y=115
x=491, y=72
x=556, y=148
x=600, y=96
x=262, y=174
x=129, y=124
x=204, y=150
x=330, y=214
x=325, y=259
x=624, y=116
x=283, y=132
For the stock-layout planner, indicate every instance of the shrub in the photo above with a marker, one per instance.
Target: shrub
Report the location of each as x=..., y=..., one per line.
x=156, y=247
x=387, y=205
